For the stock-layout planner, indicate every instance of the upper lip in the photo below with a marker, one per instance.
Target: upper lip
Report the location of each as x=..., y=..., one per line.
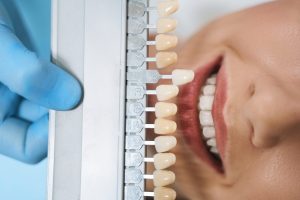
x=188, y=113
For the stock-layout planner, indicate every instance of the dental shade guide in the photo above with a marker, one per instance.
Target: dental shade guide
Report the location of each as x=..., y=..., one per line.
x=137, y=77
x=98, y=150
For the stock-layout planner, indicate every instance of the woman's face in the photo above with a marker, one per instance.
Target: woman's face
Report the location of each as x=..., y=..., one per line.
x=256, y=109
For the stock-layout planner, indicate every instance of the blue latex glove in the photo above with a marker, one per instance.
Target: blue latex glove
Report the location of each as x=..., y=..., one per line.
x=28, y=88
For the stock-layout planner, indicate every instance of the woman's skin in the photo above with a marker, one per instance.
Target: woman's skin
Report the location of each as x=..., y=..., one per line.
x=261, y=57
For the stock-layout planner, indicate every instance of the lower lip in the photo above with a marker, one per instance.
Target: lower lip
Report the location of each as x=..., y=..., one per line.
x=189, y=115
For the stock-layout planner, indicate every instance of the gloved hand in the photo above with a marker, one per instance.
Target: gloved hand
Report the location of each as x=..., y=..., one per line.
x=28, y=88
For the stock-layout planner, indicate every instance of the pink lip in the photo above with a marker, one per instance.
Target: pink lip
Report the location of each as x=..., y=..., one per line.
x=188, y=112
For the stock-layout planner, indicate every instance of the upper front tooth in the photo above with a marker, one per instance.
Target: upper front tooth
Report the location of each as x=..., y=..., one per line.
x=166, y=8
x=166, y=92
x=209, y=132
x=206, y=102
x=164, y=42
x=164, y=59
x=212, y=80
x=209, y=90
x=211, y=142
x=182, y=76
x=206, y=118
x=163, y=193
x=164, y=126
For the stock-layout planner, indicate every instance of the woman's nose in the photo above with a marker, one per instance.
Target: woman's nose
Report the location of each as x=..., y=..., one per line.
x=273, y=116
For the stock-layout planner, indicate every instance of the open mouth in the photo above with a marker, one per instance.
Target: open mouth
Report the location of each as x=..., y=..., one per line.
x=200, y=111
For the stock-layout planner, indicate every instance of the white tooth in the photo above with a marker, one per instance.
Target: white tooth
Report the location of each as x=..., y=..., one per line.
x=206, y=118
x=206, y=102
x=211, y=142
x=182, y=76
x=212, y=80
x=164, y=193
x=163, y=178
x=165, y=143
x=163, y=109
x=209, y=132
x=209, y=90
x=164, y=160
x=166, y=92
x=214, y=150
x=164, y=126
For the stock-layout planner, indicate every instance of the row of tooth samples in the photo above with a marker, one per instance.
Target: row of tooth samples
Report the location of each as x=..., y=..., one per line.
x=137, y=78
x=162, y=126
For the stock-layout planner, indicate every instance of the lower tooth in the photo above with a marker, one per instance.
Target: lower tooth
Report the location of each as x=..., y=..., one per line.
x=209, y=90
x=206, y=102
x=211, y=142
x=209, y=132
x=214, y=150
x=212, y=79
x=206, y=118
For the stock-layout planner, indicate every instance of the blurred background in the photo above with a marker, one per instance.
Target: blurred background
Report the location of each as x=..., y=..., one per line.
x=20, y=181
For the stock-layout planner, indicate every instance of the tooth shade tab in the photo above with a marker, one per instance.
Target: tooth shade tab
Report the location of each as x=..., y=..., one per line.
x=163, y=193
x=168, y=7
x=164, y=143
x=166, y=92
x=164, y=126
x=164, y=160
x=162, y=42
x=163, y=92
x=165, y=59
x=165, y=42
x=163, y=25
x=164, y=8
x=178, y=76
x=162, y=59
x=163, y=178
x=163, y=109
x=182, y=76
x=166, y=25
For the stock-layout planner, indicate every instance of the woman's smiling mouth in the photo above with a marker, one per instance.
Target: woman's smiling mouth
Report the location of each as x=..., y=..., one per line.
x=203, y=126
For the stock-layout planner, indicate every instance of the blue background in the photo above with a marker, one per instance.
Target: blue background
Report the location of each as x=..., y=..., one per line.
x=20, y=181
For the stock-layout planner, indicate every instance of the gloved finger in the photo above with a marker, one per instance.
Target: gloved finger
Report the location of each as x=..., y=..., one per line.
x=41, y=82
x=30, y=111
x=9, y=102
x=24, y=141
